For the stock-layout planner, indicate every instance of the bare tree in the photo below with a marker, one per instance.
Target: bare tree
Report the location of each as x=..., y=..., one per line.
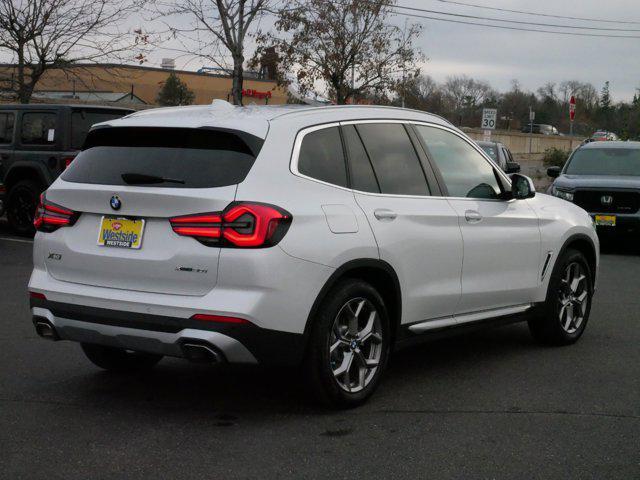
x=218, y=31
x=43, y=34
x=347, y=47
x=465, y=93
x=585, y=92
x=424, y=93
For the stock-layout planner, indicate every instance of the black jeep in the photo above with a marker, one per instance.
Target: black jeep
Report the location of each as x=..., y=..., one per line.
x=37, y=142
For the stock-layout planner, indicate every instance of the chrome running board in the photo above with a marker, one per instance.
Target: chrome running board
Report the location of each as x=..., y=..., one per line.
x=467, y=318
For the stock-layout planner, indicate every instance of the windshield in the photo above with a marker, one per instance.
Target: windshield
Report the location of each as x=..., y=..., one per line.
x=491, y=151
x=605, y=161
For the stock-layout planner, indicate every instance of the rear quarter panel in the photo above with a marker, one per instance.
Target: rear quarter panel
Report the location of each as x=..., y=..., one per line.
x=310, y=236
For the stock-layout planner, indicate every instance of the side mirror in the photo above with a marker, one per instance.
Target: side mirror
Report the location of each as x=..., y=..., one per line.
x=553, y=172
x=522, y=187
x=512, y=167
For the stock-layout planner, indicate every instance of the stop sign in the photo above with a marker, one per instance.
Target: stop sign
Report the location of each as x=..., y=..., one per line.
x=572, y=108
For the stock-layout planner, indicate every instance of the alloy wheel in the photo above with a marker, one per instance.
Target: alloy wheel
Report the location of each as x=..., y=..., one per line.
x=573, y=296
x=355, y=344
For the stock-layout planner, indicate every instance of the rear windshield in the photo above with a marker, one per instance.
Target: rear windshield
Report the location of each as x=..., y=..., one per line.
x=164, y=157
x=82, y=120
x=605, y=161
x=491, y=151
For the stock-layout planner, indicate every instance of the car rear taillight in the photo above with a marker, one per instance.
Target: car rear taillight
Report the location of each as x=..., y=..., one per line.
x=240, y=225
x=66, y=161
x=50, y=217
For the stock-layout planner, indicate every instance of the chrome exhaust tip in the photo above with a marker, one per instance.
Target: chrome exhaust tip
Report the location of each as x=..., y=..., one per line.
x=201, y=353
x=45, y=329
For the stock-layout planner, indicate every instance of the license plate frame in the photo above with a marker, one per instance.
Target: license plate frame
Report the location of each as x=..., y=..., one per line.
x=605, y=220
x=132, y=226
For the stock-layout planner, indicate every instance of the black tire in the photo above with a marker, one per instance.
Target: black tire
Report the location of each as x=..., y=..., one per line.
x=22, y=201
x=319, y=363
x=118, y=360
x=551, y=325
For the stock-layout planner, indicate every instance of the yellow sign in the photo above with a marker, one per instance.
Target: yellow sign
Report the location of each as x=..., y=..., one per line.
x=121, y=232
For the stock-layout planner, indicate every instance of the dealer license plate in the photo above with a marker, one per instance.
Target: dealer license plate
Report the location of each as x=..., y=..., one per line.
x=121, y=232
x=605, y=220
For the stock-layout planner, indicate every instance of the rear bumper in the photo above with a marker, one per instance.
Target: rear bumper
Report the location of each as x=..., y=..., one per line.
x=245, y=343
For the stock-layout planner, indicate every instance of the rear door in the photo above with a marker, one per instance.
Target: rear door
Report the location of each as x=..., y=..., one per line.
x=501, y=237
x=417, y=231
x=171, y=172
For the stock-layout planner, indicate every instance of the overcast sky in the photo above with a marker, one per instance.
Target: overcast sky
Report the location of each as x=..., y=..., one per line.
x=498, y=56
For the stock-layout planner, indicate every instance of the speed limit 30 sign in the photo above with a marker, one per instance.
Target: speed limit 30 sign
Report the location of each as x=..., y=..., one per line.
x=489, y=116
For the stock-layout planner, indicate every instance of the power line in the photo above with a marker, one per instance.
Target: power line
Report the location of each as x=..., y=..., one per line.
x=393, y=9
x=584, y=19
x=519, y=22
x=522, y=29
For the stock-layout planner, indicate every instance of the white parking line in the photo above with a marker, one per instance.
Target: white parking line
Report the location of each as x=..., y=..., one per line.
x=19, y=240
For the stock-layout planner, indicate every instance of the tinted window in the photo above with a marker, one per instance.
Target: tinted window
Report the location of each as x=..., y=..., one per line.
x=6, y=127
x=605, y=161
x=394, y=159
x=360, y=169
x=193, y=158
x=321, y=156
x=38, y=128
x=464, y=171
x=82, y=120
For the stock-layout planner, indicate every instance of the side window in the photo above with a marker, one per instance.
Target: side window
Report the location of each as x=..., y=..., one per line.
x=38, y=128
x=464, y=171
x=321, y=156
x=362, y=176
x=394, y=159
x=6, y=127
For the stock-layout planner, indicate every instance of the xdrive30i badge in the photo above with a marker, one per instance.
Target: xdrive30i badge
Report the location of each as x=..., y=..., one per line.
x=115, y=202
x=180, y=268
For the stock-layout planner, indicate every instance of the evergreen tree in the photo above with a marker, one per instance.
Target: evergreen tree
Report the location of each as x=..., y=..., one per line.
x=605, y=97
x=175, y=92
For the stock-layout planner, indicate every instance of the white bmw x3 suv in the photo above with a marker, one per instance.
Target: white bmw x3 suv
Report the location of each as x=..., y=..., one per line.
x=320, y=237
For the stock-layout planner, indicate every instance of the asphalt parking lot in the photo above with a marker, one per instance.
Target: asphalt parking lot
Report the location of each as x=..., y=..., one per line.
x=484, y=405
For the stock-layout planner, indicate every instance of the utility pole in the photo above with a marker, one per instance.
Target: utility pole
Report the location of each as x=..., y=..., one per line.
x=404, y=66
x=532, y=116
x=353, y=61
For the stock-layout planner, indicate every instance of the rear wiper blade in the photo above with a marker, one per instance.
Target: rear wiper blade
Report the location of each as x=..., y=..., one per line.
x=144, y=179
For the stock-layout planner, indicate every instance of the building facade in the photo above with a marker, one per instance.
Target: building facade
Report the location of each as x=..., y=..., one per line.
x=132, y=84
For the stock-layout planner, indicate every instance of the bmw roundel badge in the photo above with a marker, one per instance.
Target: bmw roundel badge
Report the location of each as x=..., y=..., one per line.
x=115, y=202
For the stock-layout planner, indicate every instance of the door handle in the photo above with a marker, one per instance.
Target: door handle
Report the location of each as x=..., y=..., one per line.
x=472, y=216
x=385, y=215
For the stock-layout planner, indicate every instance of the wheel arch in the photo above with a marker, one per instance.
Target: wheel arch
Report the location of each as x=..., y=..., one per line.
x=585, y=245
x=379, y=274
x=25, y=171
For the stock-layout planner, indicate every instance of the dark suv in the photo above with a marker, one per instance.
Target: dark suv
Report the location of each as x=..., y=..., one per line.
x=37, y=142
x=604, y=179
